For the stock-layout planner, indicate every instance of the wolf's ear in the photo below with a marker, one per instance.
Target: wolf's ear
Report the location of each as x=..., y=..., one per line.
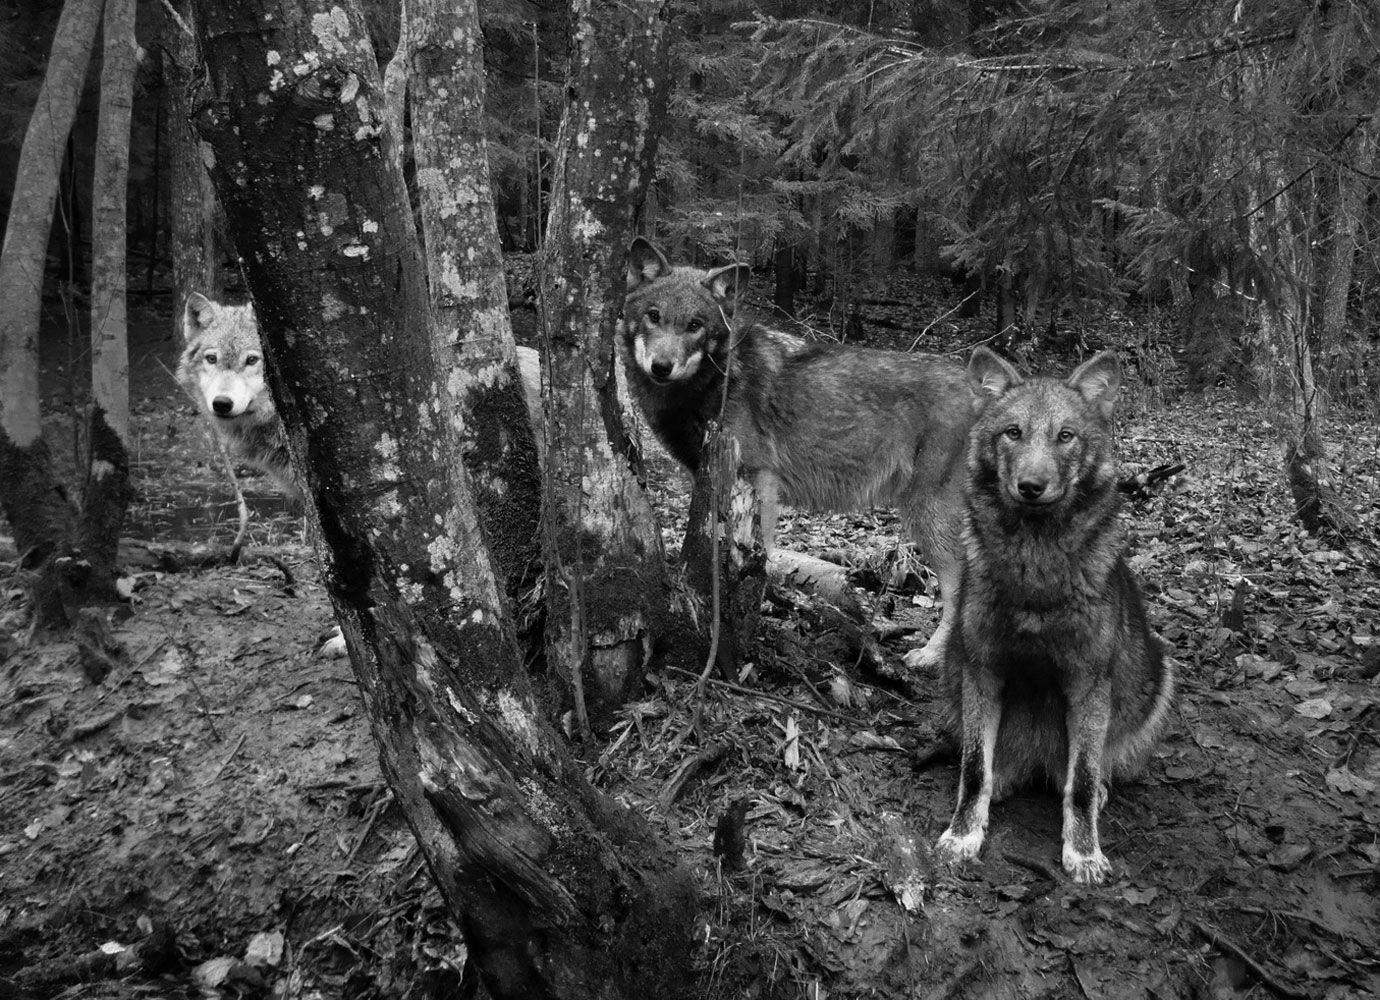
x=645, y=263
x=990, y=375
x=198, y=314
x=1097, y=380
x=727, y=284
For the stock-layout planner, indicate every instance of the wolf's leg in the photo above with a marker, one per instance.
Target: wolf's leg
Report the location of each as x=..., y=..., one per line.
x=931, y=654
x=1086, y=723
x=768, y=495
x=934, y=525
x=981, y=720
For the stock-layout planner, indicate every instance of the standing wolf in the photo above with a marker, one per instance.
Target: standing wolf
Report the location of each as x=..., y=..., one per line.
x=1051, y=669
x=821, y=426
x=222, y=369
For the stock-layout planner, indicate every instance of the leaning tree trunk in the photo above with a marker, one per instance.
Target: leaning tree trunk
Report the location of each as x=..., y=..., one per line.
x=108, y=492
x=35, y=504
x=444, y=52
x=559, y=892
x=605, y=572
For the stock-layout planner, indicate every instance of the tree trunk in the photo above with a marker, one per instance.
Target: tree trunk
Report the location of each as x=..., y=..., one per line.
x=725, y=565
x=192, y=201
x=36, y=505
x=605, y=571
x=107, y=494
x=444, y=50
x=1352, y=183
x=783, y=299
x=1282, y=231
x=559, y=892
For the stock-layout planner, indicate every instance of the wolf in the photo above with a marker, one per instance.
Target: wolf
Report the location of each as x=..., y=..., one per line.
x=822, y=426
x=222, y=369
x=1051, y=669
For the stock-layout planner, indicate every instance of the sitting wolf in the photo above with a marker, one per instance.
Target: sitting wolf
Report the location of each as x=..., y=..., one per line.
x=1051, y=670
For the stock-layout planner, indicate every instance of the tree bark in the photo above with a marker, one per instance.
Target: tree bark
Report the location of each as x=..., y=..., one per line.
x=606, y=582
x=195, y=254
x=107, y=494
x=559, y=893
x=1352, y=183
x=444, y=50
x=35, y=504
x=1282, y=230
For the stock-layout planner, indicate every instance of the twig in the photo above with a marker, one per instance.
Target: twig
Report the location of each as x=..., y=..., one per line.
x=1032, y=864
x=804, y=706
x=240, y=505
x=702, y=761
x=375, y=811
x=226, y=762
x=1260, y=911
x=196, y=689
x=171, y=11
x=289, y=581
x=1225, y=943
x=1359, y=872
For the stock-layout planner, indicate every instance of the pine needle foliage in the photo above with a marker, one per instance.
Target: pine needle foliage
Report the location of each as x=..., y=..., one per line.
x=1094, y=151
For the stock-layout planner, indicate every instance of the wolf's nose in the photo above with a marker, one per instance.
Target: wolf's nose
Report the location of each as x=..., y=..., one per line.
x=1030, y=489
x=662, y=369
x=222, y=405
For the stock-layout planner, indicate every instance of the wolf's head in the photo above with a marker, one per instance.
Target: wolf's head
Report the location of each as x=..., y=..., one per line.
x=222, y=365
x=676, y=320
x=1041, y=442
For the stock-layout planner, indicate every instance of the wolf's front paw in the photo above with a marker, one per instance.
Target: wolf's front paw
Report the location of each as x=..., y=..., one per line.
x=1089, y=869
x=927, y=656
x=959, y=846
x=332, y=644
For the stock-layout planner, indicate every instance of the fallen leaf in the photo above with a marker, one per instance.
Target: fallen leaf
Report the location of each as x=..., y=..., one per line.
x=1314, y=708
x=1141, y=897
x=791, y=754
x=213, y=972
x=1342, y=780
x=265, y=948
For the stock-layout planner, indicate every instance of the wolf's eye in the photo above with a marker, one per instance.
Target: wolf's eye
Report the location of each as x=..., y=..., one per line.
x=251, y=359
x=209, y=357
x=1013, y=433
x=1066, y=435
x=653, y=316
x=694, y=325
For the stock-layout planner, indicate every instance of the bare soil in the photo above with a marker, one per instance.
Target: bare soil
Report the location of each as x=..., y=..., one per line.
x=216, y=802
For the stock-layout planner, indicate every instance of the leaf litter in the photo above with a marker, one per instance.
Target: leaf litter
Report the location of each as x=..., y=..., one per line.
x=221, y=791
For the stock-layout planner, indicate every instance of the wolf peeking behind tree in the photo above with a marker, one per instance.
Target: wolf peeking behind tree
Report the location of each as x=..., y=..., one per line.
x=1051, y=669
x=823, y=426
x=222, y=369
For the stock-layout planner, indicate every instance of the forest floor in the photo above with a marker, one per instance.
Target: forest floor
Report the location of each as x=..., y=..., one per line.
x=213, y=809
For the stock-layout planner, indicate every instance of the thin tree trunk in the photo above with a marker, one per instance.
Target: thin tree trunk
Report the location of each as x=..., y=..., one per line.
x=605, y=570
x=108, y=492
x=1282, y=231
x=192, y=200
x=559, y=892
x=444, y=50
x=35, y=504
x=1353, y=175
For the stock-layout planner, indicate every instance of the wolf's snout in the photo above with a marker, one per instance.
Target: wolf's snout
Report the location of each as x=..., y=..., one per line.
x=661, y=369
x=223, y=406
x=1031, y=489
